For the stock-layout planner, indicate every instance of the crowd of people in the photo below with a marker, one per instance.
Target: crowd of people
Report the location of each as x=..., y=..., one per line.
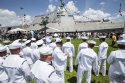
x=44, y=59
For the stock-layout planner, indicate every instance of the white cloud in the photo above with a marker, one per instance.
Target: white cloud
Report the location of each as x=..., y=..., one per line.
x=102, y=3
x=9, y=18
x=96, y=14
x=118, y=17
x=71, y=7
x=51, y=8
x=123, y=13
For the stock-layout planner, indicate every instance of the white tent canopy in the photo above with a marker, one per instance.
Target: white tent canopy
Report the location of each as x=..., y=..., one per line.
x=16, y=30
x=53, y=28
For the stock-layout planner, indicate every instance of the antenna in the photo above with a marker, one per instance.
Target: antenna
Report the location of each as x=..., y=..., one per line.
x=120, y=9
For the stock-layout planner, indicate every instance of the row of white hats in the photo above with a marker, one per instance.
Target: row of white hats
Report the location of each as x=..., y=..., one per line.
x=43, y=51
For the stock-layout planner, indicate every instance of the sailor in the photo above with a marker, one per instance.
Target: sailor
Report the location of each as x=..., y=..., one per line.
x=42, y=71
x=52, y=44
x=7, y=42
x=116, y=60
x=48, y=41
x=40, y=43
x=16, y=67
x=23, y=43
x=68, y=48
x=59, y=59
x=36, y=52
x=86, y=61
x=84, y=44
x=3, y=74
x=114, y=39
x=27, y=53
x=33, y=43
x=102, y=55
x=32, y=33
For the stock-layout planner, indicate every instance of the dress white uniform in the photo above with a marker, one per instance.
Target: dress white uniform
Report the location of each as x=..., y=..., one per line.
x=42, y=72
x=17, y=69
x=3, y=74
x=28, y=55
x=68, y=48
x=36, y=54
x=102, y=56
x=116, y=60
x=86, y=60
x=59, y=62
x=33, y=45
x=52, y=45
x=82, y=46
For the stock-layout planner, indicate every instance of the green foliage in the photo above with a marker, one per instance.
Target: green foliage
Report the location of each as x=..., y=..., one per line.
x=71, y=77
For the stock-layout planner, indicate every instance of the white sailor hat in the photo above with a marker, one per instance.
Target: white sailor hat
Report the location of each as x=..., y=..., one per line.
x=55, y=34
x=15, y=46
x=33, y=39
x=39, y=42
x=48, y=40
x=6, y=41
x=3, y=48
x=1, y=45
x=84, y=37
x=24, y=40
x=121, y=40
x=28, y=41
x=91, y=42
x=58, y=40
x=102, y=37
x=68, y=38
x=45, y=50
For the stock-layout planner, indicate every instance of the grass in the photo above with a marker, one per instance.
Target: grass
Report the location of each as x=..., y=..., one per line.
x=71, y=77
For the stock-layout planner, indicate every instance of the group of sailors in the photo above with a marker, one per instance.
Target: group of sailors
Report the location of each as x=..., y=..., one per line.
x=45, y=60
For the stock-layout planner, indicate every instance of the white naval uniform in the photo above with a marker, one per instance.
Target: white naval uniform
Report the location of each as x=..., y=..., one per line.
x=59, y=62
x=68, y=48
x=116, y=72
x=52, y=45
x=102, y=55
x=28, y=55
x=17, y=69
x=3, y=74
x=33, y=45
x=82, y=46
x=36, y=54
x=86, y=60
x=42, y=72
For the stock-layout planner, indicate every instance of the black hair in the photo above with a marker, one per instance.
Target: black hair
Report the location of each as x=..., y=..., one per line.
x=59, y=43
x=91, y=45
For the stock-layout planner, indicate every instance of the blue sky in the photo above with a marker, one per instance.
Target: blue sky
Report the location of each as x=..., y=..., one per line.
x=36, y=7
